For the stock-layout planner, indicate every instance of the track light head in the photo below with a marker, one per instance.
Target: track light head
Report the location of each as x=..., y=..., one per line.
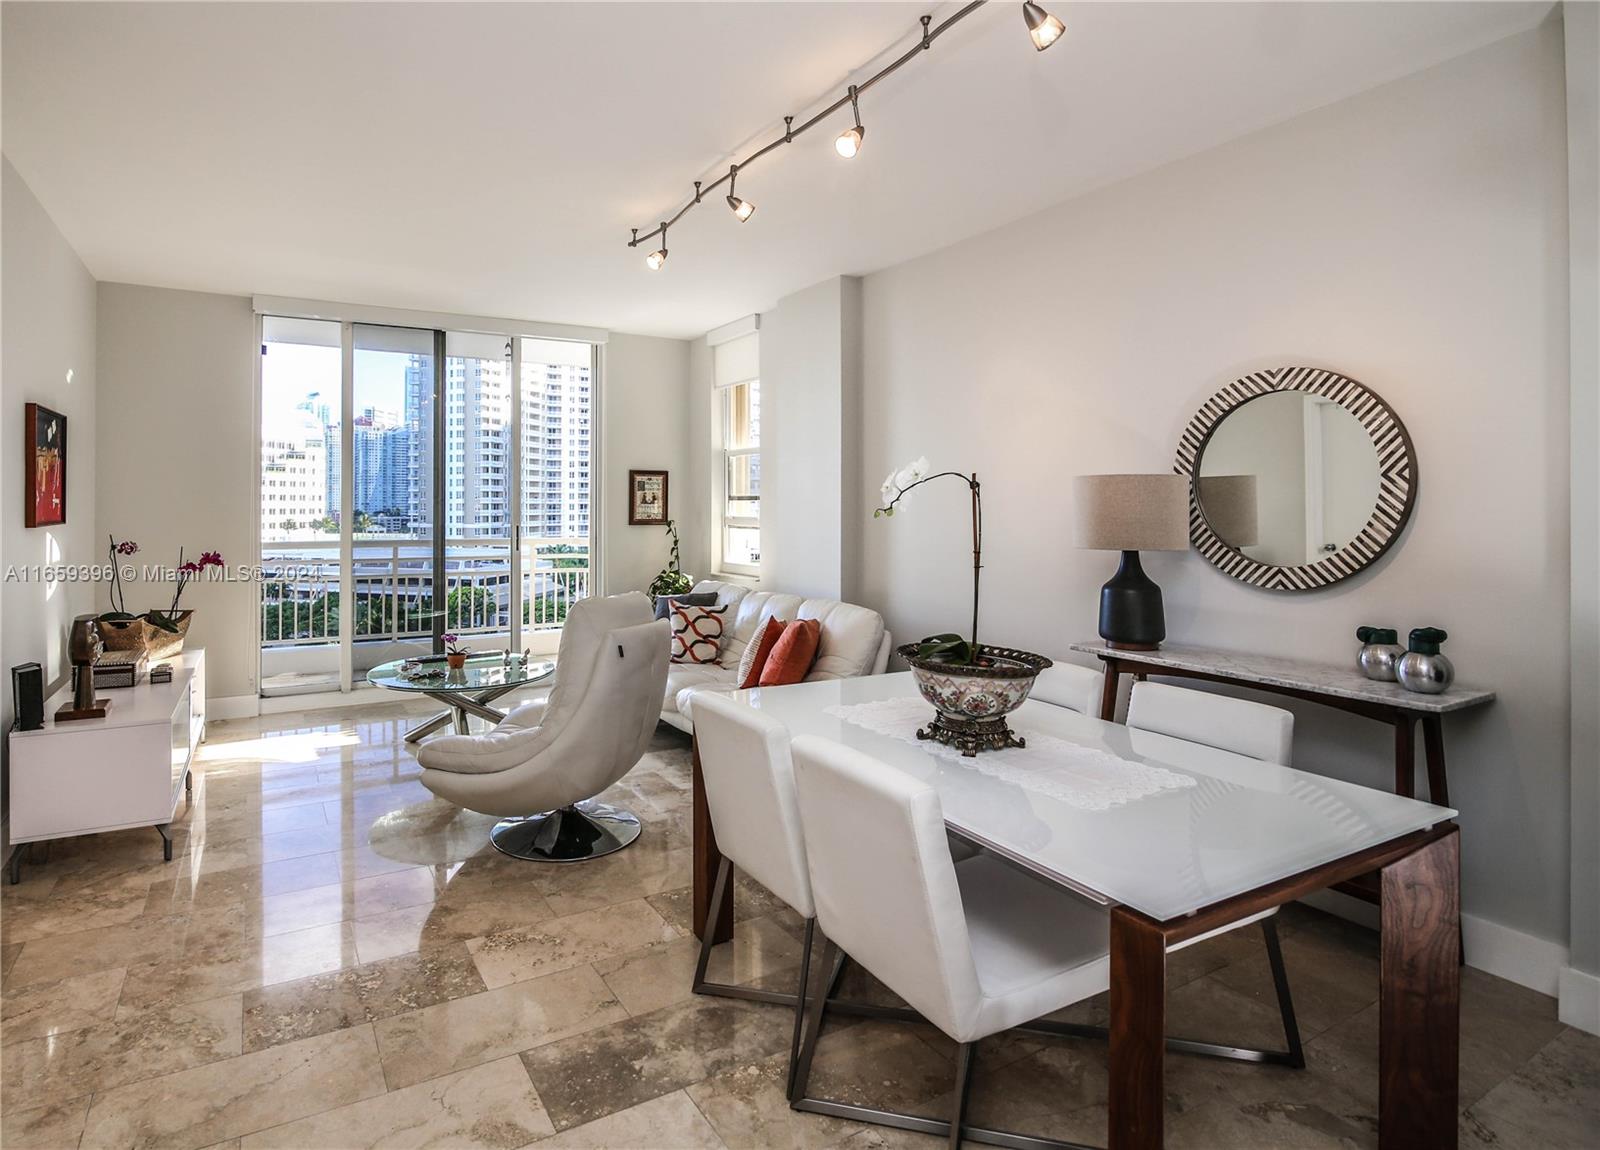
x=742, y=209
x=1044, y=28
x=849, y=140
x=655, y=259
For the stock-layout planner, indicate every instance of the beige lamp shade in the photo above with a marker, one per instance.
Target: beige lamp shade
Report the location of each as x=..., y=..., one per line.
x=1133, y=512
x=1229, y=505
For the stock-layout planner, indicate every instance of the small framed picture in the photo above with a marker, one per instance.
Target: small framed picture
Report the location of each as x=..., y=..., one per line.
x=46, y=455
x=647, y=498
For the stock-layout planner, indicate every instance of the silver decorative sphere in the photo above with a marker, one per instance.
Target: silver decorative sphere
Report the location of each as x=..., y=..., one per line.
x=1425, y=674
x=1378, y=660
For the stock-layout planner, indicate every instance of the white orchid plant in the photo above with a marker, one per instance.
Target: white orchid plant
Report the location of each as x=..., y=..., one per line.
x=947, y=648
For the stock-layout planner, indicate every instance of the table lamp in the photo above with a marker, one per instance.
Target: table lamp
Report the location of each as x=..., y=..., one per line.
x=1229, y=504
x=1130, y=514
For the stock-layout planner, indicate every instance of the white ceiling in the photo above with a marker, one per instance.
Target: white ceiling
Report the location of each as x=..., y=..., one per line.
x=490, y=159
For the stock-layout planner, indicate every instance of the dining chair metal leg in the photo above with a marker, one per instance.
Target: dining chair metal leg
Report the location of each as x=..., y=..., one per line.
x=724, y=989
x=1280, y=983
x=816, y=1014
x=800, y=1003
x=958, y=1114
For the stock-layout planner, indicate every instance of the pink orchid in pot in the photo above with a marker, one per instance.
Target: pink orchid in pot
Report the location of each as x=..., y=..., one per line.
x=455, y=654
x=972, y=687
x=158, y=634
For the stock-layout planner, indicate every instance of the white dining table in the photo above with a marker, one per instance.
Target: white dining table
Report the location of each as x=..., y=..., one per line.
x=1177, y=839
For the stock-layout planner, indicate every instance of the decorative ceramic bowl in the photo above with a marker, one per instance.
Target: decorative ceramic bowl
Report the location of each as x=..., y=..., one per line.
x=971, y=701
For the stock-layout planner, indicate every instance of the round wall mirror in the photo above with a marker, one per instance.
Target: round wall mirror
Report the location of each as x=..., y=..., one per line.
x=1299, y=478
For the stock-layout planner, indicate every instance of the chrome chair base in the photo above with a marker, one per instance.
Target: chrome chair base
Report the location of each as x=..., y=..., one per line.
x=584, y=830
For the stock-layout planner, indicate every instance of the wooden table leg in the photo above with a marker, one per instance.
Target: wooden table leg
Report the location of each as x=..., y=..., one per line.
x=1433, y=747
x=1138, y=1031
x=1405, y=755
x=1108, y=693
x=1419, y=998
x=707, y=858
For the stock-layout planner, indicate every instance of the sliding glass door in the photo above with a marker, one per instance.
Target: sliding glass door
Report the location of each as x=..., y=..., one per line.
x=417, y=482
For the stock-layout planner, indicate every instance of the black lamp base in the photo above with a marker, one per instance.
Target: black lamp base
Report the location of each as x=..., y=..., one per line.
x=1131, y=617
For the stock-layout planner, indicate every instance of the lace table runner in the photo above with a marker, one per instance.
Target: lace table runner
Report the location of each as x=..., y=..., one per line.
x=1083, y=777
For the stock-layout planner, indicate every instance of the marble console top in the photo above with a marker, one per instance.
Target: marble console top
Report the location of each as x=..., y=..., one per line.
x=1315, y=678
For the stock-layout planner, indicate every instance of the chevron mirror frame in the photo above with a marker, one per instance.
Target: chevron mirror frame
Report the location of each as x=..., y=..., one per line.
x=1328, y=554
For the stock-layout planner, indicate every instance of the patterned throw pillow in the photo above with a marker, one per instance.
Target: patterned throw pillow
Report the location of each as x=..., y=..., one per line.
x=696, y=634
x=756, y=652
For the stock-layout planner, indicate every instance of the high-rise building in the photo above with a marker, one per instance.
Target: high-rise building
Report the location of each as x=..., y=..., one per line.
x=557, y=438
x=294, y=477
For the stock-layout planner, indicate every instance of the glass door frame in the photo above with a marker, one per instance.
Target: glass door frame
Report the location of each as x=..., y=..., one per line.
x=439, y=324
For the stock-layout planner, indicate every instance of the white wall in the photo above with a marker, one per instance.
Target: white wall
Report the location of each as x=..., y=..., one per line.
x=645, y=416
x=1580, y=990
x=177, y=456
x=810, y=450
x=1413, y=237
x=47, y=326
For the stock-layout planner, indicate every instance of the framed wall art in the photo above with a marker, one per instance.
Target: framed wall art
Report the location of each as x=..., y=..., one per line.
x=647, y=498
x=45, y=457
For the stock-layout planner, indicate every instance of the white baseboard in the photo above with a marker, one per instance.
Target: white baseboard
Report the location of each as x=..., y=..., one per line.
x=233, y=707
x=1580, y=999
x=1525, y=959
x=1518, y=957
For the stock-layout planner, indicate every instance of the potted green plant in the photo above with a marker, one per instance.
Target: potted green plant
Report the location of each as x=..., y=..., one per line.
x=455, y=653
x=972, y=687
x=670, y=580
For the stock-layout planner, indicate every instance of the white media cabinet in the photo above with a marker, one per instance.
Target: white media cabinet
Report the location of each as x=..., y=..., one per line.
x=128, y=769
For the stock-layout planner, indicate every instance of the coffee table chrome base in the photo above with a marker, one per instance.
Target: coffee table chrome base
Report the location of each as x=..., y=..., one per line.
x=584, y=830
x=460, y=706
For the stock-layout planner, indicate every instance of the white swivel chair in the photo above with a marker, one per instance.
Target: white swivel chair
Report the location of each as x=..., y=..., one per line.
x=544, y=762
x=749, y=788
x=1071, y=686
x=1245, y=728
x=976, y=948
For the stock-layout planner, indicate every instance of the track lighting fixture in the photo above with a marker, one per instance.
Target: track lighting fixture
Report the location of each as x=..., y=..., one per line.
x=742, y=209
x=1043, y=27
x=849, y=141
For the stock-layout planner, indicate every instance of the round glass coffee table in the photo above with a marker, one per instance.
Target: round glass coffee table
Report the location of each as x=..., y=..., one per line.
x=467, y=691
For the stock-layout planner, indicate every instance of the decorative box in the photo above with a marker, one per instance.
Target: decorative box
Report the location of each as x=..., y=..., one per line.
x=161, y=673
x=119, y=668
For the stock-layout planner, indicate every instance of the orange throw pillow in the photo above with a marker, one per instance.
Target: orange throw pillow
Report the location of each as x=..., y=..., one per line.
x=756, y=654
x=793, y=654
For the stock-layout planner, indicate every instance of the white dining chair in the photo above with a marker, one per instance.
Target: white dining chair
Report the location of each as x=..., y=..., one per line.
x=975, y=948
x=1244, y=728
x=749, y=788
x=1071, y=686
x=1229, y=724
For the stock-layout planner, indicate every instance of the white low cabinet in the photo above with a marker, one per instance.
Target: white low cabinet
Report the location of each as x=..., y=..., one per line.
x=128, y=769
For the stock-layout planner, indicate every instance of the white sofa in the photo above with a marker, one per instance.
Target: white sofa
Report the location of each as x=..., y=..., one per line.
x=853, y=642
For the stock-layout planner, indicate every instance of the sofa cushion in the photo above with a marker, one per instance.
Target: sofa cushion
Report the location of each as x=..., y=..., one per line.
x=793, y=655
x=750, y=615
x=850, y=639
x=756, y=653
x=686, y=676
x=664, y=602
x=696, y=633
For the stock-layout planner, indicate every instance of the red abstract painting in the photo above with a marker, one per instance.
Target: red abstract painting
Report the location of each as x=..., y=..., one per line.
x=45, y=457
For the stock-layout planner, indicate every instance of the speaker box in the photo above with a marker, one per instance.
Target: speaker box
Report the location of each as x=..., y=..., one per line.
x=27, y=694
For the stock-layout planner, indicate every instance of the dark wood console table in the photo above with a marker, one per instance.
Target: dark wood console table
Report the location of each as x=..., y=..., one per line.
x=1345, y=689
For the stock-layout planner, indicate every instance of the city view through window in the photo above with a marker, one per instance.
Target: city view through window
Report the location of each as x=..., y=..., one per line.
x=515, y=491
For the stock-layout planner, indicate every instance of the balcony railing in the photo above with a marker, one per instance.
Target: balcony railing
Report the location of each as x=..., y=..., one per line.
x=300, y=588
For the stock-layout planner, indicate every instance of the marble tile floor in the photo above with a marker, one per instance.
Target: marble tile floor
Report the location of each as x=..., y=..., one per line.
x=335, y=959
